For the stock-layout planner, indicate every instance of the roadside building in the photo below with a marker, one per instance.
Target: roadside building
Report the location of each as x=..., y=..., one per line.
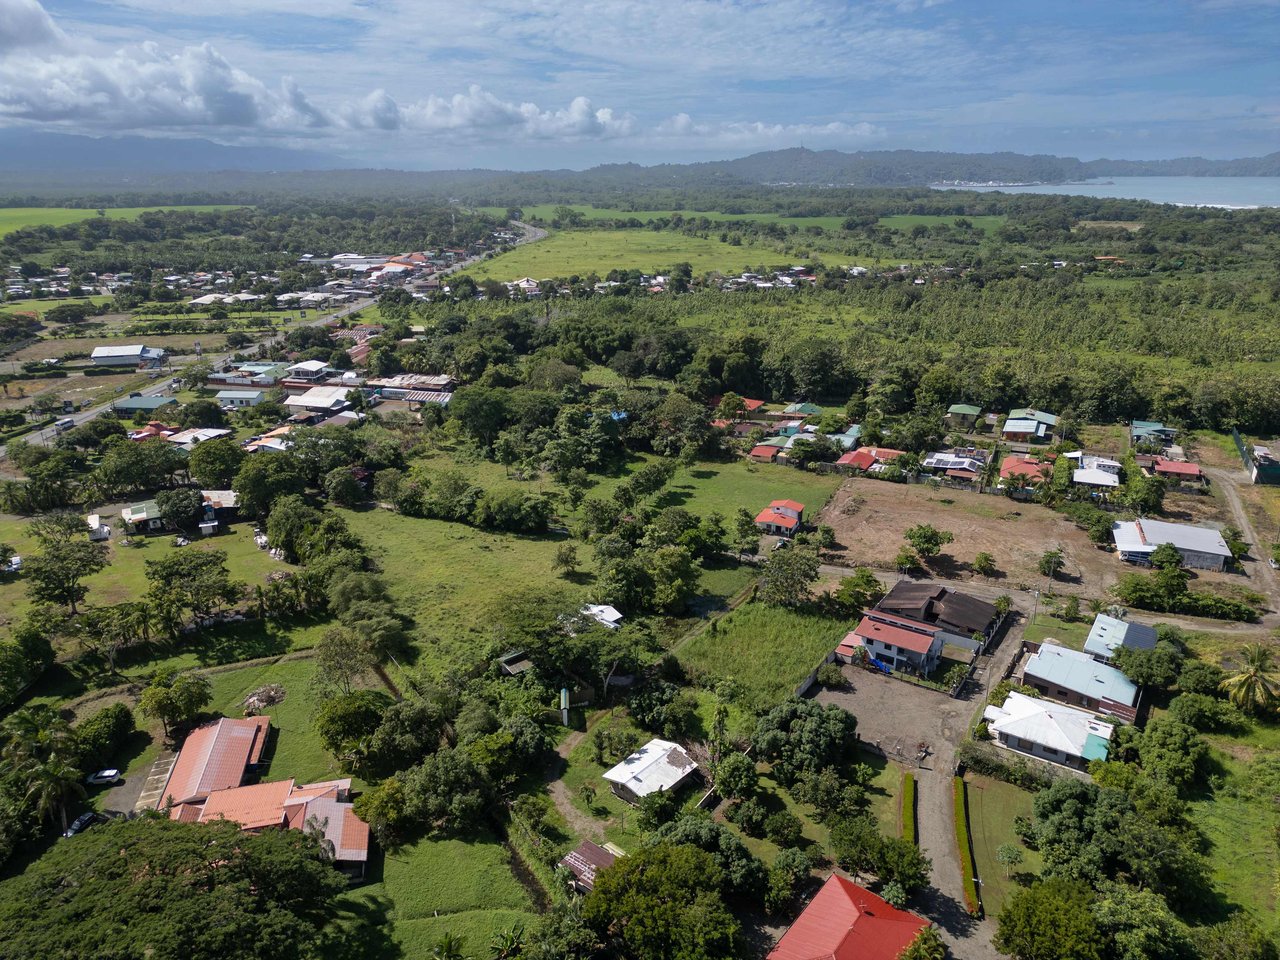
x=145, y=404
x=135, y=355
x=782, y=518
x=1200, y=547
x=238, y=398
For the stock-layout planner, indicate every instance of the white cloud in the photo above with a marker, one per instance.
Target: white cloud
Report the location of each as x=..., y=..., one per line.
x=757, y=132
x=24, y=24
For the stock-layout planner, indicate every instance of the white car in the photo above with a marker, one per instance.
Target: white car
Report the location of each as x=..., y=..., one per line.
x=103, y=777
x=12, y=565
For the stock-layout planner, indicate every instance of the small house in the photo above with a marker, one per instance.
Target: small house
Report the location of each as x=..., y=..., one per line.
x=868, y=459
x=658, y=765
x=1049, y=731
x=1017, y=469
x=584, y=861
x=1109, y=634
x=801, y=410
x=962, y=416
x=1151, y=432
x=602, y=614
x=238, y=398
x=142, y=517
x=1177, y=471
x=320, y=400
x=309, y=370
x=900, y=643
x=1028, y=425
x=845, y=921
x=98, y=531
x=782, y=518
x=146, y=404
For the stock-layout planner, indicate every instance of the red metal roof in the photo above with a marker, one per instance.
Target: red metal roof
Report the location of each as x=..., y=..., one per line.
x=214, y=757
x=1179, y=467
x=764, y=450
x=253, y=807
x=787, y=505
x=769, y=515
x=847, y=922
x=1029, y=467
x=752, y=405
x=867, y=457
x=898, y=636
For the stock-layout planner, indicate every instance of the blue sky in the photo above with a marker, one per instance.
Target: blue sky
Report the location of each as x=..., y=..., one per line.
x=540, y=83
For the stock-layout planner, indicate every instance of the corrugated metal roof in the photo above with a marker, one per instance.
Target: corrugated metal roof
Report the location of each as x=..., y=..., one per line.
x=1078, y=672
x=847, y=922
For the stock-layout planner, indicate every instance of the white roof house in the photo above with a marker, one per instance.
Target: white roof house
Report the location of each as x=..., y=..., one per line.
x=658, y=765
x=1049, y=730
x=1095, y=477
x=1201, y=547
x=320, y=398
x=1108, y=634
x=186, y=439
x=132, y=354
x=308, y=369
x=603, y=614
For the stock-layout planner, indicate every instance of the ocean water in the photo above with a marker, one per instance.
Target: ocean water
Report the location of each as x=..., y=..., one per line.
x=1235, y=192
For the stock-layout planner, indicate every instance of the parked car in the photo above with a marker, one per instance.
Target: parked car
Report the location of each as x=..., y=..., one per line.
x=103, y=777
x=81, y=823
x=12, y=565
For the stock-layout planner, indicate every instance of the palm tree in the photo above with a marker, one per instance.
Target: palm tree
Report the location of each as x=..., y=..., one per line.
x=52, y=785
x=36, y=734
x=508, y=944
x=1255, y=687
x=449, y=947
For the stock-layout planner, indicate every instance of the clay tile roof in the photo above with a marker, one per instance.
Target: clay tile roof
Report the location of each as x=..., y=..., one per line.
x=787, y=504
x=259, y=805
x=777, y=518
x=214, y=757
x=847, y=922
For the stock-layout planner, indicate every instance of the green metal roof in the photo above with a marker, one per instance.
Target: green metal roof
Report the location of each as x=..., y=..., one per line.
x=967, y=409
x=1096, y=747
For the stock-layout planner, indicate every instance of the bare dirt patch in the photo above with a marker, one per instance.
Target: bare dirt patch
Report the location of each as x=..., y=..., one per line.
x=870, y=516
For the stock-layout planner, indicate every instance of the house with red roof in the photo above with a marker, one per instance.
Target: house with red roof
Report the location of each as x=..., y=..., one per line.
x=900, y=643
x=764, y=453
x=1018, y=465
x=321, y=808
x=1180, y=471
x=847, y=922
x=868, y=459
x=782, y=518
x=216, y=756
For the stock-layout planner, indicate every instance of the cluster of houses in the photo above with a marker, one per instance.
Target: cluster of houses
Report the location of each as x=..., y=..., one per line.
x=212, y=779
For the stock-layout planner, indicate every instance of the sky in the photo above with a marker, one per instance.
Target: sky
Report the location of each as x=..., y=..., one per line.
x=533, y=84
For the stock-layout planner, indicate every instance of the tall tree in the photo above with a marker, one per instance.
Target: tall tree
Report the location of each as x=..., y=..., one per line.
x=57, y=573
x=1255, y=685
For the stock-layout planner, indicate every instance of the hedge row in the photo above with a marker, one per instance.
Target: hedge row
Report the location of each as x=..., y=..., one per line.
x=967, y=865
x=984, y=759
x=909, y=808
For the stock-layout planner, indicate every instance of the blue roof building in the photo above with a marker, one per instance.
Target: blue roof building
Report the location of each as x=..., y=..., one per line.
x=1109, y=634
x=1076, y=678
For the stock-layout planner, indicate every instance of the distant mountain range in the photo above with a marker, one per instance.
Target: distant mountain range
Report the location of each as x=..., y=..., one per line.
x=31, y=151
x=63, y=163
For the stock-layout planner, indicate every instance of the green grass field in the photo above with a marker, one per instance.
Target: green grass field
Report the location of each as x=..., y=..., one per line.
x=1047, y=627
x=433, y=887
x=764, y=651
x=992, y=807
x=15, y=218
x=582, y=251
x=617, y=819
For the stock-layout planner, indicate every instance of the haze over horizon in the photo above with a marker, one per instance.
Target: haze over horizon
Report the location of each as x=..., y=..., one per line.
x=422, y=85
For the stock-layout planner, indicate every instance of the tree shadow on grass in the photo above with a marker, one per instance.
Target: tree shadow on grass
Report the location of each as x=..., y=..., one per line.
x=361, y=928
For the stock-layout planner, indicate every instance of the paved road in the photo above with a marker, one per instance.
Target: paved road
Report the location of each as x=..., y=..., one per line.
x=162, y=386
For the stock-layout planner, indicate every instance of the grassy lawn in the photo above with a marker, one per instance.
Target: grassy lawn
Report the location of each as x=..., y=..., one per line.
x=583, y=251
x=765, y=651
x=450, y=578
x=617, y=818
x=1065, y=634
x=15, y=218
x=125, y=575
x=992, y=806
x=434, y=887
x=547, y=211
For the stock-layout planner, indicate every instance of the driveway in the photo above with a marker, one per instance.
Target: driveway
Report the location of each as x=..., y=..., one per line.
x=148, y=794
x=897, y=717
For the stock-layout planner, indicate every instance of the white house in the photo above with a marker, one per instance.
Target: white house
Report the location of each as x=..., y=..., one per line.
x=322, y=399
x=1049, y=731
x=238, y=398
x=781, y=517
x=1109, y=634
x=603, y=614
x=1098, y=472
x=186, y=439
x=658, y=765
x=308, y=370
x=1200, y=547
x=133, y=355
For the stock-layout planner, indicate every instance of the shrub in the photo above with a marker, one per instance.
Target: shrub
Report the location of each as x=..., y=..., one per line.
x=982, y=758
x=100, y=737
x=909, y=807
x=830, y=675
x=967, y=866
x=750, y=815
x=783, y=828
